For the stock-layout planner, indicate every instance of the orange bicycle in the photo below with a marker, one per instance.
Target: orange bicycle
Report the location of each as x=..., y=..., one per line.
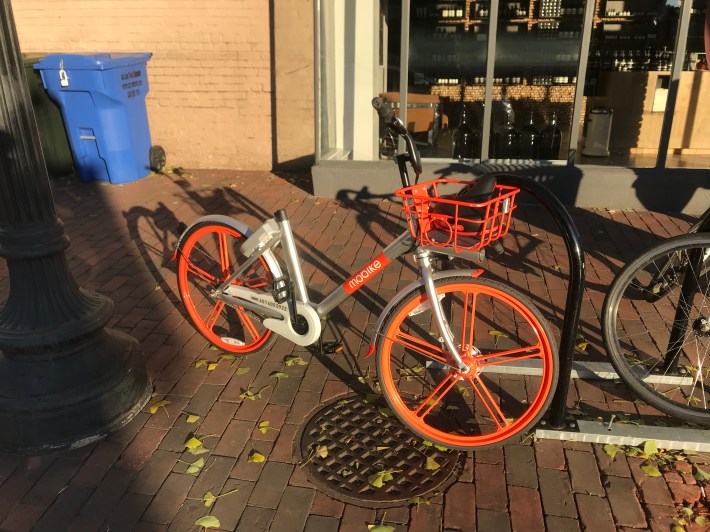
x=447, y=345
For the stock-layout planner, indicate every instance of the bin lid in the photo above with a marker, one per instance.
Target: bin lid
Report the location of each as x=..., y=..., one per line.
x=92, y=61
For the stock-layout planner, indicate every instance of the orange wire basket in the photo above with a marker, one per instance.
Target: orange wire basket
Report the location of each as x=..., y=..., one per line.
x=442, y=220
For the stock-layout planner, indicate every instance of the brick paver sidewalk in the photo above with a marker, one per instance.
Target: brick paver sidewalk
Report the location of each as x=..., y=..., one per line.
x=122, y=240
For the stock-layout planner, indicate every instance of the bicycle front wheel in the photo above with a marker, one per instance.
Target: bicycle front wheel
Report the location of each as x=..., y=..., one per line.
x=497, y=330
x=656, y=327
x=210, y=254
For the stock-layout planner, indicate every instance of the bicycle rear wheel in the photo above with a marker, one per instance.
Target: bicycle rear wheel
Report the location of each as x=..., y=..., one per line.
x=209, y=255
x=497, y=329
x=659, y=345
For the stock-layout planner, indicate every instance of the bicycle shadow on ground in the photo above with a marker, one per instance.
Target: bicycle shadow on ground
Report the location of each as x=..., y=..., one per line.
x=155, y=233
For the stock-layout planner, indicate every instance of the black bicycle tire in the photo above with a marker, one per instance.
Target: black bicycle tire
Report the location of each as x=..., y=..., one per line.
x=523, y=301
x=609, y=332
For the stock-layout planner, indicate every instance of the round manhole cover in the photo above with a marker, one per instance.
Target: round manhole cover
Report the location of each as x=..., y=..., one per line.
x=358, y=452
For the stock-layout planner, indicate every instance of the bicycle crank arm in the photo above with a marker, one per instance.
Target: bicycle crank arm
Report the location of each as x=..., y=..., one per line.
x=279, y=319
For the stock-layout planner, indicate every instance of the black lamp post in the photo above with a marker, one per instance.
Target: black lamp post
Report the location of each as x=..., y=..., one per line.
x=64, y=380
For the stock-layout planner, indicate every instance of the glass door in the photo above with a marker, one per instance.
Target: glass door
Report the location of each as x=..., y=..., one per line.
x=446, y=82
x=536, y=60
x=689, y=145
x=627, y=82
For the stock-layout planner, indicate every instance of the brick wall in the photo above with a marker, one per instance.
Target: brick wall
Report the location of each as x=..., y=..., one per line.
x=210, y=102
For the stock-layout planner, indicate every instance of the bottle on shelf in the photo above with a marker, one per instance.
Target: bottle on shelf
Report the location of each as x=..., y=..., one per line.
x=467, y=138
x=529, y=140
x=550, y=140
x=507, y=138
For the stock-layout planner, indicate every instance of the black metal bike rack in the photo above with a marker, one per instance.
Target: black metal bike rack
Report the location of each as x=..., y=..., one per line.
x=575, y=290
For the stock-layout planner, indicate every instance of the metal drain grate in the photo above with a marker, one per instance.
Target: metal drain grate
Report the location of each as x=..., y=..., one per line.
x=364, y=439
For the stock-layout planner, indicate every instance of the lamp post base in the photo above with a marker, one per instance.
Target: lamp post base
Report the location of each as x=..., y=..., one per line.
x=70, y=396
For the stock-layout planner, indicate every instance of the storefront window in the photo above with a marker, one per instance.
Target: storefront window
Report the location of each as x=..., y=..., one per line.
x=447, y=68
x=536, y=60
x=689, y=145
x=537, y=56
x=628, y=76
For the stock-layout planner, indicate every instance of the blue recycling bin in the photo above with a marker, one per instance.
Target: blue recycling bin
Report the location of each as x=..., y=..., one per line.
x=102, y=99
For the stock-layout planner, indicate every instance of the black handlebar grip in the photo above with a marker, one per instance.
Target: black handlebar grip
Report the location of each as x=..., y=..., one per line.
x=383, y=108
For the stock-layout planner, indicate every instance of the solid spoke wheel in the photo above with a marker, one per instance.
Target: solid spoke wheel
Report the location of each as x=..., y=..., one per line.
x=656, y=327
x=209, y=255
x=497, y=330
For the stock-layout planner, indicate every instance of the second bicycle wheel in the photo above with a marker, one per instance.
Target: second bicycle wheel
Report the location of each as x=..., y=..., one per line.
x=210, y=254
x=497, y=330
x=656, y=327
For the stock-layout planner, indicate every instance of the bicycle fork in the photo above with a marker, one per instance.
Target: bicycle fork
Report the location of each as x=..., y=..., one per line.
x=423, y=259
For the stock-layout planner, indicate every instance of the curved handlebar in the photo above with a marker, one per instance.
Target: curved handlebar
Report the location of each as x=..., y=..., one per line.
x=386, y=113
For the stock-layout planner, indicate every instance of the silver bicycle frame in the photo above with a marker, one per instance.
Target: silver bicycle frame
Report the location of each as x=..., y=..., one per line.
x=277, y=231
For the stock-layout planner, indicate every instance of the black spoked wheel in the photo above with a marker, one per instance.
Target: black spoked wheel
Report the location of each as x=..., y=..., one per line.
x=656, y=327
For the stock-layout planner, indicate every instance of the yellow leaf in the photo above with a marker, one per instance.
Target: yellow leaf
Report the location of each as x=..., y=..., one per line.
x=196, y=466
x=198, y=450
x=322, y=451
x=376, y=480
x=209, y=499
x=208, y=521
x=201, y=362
x=241, y=371
x=154, y=407
x=431, y=464
x=212, y=366
x=193, y=443
x=256, y=457
x=264, y=427
x=191, y=418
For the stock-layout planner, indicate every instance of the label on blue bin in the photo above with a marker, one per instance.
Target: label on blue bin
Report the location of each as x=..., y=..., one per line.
x=132, y=87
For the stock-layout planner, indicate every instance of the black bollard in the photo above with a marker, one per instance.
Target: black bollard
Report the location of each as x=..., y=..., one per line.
x=65, y=380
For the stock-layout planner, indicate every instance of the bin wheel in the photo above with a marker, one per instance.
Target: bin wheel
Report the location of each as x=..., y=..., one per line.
x=156, y=155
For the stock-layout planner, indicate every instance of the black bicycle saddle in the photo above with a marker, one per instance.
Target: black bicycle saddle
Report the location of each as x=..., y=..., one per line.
x=478, y=191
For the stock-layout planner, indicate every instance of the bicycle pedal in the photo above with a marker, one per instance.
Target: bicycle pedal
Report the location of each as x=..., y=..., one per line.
x=331, y=348
x=281, y=289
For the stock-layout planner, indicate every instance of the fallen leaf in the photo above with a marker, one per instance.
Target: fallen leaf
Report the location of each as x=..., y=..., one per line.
x=700, y=474
x=376, y=480
x=291, y=360
x=650, y=447
x=201, y=362
x=278, y=375
x=154, y=407
x=198, y=450
x=380, y=528
x=192, y=442
x=208, y=521
x=431, y=464
x=212, y=366
x=256, y=457
x=195, y=466
x=611, y=449
x=418, y=500
x=241, y=371
x=209, y=499
x=322, y=451
x=264, y=427
x=191, y=418
x=650, y=470
x=246, y=394
x=214, y=348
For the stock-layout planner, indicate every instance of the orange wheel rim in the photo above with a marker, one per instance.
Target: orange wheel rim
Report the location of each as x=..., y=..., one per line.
x=415, y=412
x=255, y=335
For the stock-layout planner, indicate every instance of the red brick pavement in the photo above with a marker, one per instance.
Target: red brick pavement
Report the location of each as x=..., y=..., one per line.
x=122, y=240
